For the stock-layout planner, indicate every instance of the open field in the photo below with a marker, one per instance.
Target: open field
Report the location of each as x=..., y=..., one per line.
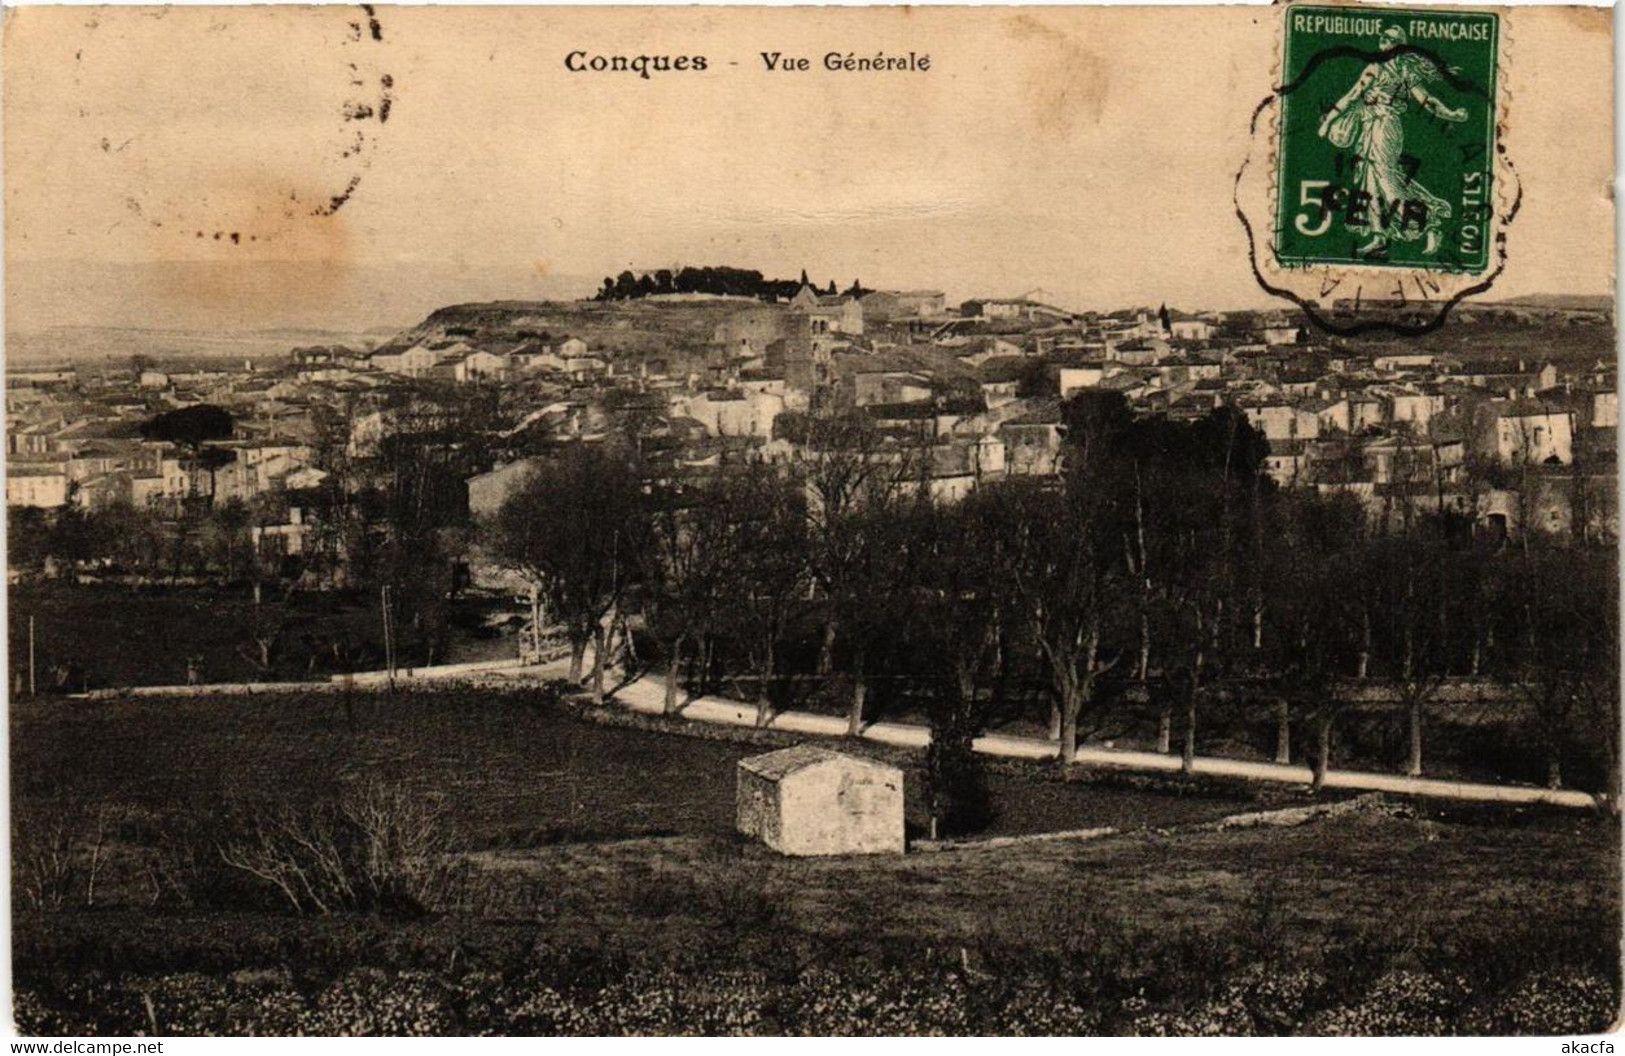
x=512, y=771
x=602, y=890
x=1557, y=341
x=116, y=636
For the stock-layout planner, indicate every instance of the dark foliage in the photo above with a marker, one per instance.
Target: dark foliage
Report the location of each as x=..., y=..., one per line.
x=724, y=281
x=190, y=427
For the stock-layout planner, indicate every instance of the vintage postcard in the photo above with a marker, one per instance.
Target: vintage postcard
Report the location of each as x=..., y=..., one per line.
x=902, y=521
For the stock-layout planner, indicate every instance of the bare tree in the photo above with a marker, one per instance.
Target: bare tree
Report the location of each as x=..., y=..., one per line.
x=960, y=640
x=1067, y=571
x=1312, y=620
x=1600, y=692
x=856, y=481
x=1068, y=563
x=687, y=563
x=573, y=529
x=265, y=635
x=1410, y=601
x=878, y=598
x=768, y=571
x=849, y=472
x=1560, y=633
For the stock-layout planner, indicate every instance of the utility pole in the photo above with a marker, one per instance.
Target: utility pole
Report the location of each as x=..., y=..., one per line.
x=389, y=635
x=30, y=656
x=535, y=624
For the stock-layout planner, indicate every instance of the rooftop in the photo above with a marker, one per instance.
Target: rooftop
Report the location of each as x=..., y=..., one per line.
x=779, y=764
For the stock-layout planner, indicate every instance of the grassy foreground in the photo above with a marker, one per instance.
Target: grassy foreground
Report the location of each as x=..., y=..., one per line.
x=598, y=889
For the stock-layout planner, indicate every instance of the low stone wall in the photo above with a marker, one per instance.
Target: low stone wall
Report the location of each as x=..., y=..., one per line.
x=213, y=689
x=471, y=671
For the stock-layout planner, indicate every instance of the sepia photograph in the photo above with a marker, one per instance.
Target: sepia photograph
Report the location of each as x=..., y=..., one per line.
x=996, y=521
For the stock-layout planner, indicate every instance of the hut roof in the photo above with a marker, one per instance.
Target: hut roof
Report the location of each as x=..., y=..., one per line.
x=777, y=765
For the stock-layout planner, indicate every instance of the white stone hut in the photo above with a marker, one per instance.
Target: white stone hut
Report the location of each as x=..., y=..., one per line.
x=808, y=800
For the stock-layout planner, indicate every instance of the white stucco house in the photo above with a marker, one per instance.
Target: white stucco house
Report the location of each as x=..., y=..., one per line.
x=809, y=800
x=1525, y=431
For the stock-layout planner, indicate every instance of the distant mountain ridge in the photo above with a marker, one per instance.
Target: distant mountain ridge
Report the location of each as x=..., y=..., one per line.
x=1594, y=302
x=91, y=344
x=264, y=296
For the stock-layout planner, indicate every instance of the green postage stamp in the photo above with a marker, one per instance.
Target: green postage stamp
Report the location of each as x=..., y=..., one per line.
x=1387, y=142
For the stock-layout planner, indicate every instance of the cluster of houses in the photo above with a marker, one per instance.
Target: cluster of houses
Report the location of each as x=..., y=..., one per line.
x=465, y=364
x=974, y=393
x=76, y=440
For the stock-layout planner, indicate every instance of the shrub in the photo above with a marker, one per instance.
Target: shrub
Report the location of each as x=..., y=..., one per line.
x=660, y=897
x=738, y=890
x=34, y=1017
x=266, y=1010
x=403, y=861
x=598, y=992
x=188, y=1004
x=1401, y=1002
x=184, y=867
x=1561, y=1002
x=46, y=865
x=58, y=852
x=554, y=692
x=376, y=848
x=374, y=1003
x=955, y=784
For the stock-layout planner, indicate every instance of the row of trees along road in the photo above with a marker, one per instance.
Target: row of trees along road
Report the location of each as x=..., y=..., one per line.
x=1162, y=569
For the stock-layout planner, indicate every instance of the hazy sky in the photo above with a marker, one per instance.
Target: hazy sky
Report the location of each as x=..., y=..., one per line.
x=1088, y=152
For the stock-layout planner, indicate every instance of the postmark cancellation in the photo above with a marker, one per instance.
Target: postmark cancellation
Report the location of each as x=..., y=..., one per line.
x=1377, y=188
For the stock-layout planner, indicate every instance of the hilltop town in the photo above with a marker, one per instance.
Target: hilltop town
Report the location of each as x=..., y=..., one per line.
x=1509, y=413
x=1088, y=625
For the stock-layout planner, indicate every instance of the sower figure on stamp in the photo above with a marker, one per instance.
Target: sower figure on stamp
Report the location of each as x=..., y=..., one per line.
x=1370, y=120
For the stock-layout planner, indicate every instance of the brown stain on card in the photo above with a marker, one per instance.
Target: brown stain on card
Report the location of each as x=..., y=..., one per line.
x=264, y=242
x=1064, y=84
x=1584, y=19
